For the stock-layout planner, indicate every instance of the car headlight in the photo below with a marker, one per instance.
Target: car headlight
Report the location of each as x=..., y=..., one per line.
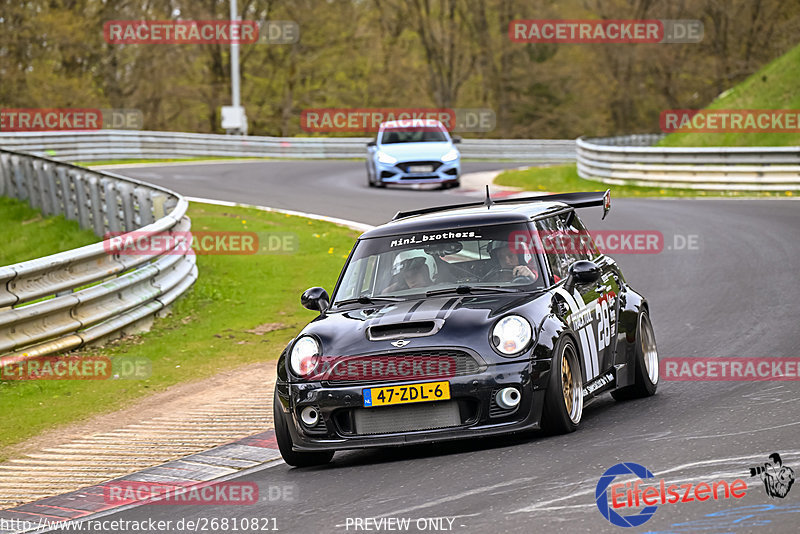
x=383, y=157
x=305, y=355
x=511, y=334
x=451, y=155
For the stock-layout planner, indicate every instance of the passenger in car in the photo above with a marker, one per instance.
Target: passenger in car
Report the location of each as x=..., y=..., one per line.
x=413, y=274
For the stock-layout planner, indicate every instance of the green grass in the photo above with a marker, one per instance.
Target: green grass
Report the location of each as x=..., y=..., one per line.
x=206, y=332
x=27, y=234
x=772, y=87
x=564, y=179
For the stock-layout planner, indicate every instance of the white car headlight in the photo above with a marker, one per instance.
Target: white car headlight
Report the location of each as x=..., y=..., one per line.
x=511, y=334
x=451, y=155
x=305, y=355
x=383, y=157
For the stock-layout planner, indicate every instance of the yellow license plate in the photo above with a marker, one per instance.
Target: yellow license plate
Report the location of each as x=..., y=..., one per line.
x=429, y=391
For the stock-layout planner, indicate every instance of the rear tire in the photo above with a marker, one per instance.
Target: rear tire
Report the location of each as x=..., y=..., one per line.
x=563, y=401
x=284, y=439
x=645, y=364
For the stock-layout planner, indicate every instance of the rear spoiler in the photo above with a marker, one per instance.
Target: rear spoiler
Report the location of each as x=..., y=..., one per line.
x=574, y=200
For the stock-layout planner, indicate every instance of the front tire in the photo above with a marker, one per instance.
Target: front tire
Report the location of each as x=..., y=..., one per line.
x=645, y=363
x=284, y=439
x=563, y=404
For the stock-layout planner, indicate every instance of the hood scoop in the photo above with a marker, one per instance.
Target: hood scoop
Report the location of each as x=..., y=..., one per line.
x=383, y=332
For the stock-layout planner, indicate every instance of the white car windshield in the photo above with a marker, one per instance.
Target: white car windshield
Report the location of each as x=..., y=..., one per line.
x=415, y=135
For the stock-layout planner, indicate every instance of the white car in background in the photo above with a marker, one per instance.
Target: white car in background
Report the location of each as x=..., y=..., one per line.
x=418, y=151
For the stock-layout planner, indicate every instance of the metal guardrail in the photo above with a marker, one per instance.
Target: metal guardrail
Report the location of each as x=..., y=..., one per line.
x=126, y=144
x=631, y=160
x=89, y=294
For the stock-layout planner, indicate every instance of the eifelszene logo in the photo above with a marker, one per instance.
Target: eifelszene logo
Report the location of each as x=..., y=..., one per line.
x=611, y=499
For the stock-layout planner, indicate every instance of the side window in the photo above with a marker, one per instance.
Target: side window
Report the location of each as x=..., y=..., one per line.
x=555, y=254
x=581, y=246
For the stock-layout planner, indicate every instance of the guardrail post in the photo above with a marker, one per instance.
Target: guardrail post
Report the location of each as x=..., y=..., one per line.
x=128, y=215
x=81, y=199
x=5, y=174
x=67, y=199
x=34, y=187
x=158, y=201
x=20, y=185
x=98, y=223
x=144, y=204
x=112, y=205
x=47, y=177
x=43, y=195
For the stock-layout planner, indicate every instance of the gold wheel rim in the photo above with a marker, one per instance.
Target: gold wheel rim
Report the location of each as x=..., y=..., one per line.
x=566, y=383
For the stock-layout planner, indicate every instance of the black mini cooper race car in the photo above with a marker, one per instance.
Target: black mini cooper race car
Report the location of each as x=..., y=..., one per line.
x=463, y=321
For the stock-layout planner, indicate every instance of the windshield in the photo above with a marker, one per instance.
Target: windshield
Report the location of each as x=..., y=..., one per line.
x=463, y=259
x=410, y=135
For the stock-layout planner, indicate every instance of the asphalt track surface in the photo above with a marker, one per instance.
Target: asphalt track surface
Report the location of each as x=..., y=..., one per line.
x=736, y=294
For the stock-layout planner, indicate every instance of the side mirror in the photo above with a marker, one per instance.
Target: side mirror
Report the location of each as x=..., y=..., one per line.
x=372, y=143
x=456, y=139
x=315, y=299
x=582, y=272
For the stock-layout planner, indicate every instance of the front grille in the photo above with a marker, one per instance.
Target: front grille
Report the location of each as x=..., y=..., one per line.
x=434, y=165
x=393, y=419
x=402, y=366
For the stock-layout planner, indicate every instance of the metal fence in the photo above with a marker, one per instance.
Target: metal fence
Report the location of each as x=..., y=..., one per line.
x=632, y=160
x=125, y=144
x=89, y=294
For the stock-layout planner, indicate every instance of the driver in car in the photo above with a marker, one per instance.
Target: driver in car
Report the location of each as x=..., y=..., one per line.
x=413, y=273
x=511, y=264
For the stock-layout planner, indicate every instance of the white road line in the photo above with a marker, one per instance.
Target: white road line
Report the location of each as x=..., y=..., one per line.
x=361, y=227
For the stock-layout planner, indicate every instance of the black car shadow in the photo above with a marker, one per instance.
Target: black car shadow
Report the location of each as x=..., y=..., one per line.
x=592, y=414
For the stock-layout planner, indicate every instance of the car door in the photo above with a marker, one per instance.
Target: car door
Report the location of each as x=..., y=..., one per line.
x=603, y=296
x=592, y=309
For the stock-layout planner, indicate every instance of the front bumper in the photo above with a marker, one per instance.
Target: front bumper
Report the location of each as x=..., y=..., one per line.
x=399, y=173
x=473, y=393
